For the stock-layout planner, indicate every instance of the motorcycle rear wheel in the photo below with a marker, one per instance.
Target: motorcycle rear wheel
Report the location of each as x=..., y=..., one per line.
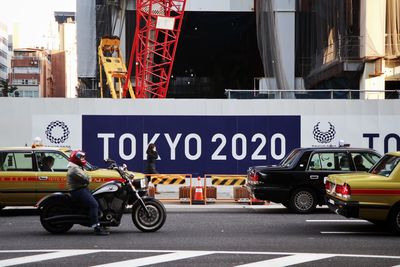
x=52, y=210
x=152, y=222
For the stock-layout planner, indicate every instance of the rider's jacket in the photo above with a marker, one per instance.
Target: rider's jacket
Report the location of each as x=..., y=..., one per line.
x=76, y=177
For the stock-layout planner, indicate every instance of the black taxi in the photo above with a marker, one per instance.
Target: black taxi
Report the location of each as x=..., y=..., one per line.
x=298, y=181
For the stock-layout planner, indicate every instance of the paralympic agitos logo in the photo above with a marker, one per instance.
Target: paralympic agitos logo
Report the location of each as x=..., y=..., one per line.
x=324, y=137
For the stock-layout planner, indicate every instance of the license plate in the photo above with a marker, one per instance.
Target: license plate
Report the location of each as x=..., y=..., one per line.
x=331, y=201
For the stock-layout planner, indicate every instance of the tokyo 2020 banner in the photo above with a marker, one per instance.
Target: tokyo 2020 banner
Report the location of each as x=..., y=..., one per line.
x=191, y=144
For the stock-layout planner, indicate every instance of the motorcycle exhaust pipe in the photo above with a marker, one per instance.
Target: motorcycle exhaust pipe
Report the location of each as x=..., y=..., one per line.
x=71, y=218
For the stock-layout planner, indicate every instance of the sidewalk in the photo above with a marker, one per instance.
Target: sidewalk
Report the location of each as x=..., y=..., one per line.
x=169, y=196
x=229, y=207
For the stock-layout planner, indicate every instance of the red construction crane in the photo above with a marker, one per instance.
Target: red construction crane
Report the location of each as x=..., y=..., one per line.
x=158, y=26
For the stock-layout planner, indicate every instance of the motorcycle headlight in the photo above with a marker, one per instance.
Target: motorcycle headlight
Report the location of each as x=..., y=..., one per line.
x=140, y=183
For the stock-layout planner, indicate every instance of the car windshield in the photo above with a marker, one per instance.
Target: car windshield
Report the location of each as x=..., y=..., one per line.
x=290, y=158
x=386, y=165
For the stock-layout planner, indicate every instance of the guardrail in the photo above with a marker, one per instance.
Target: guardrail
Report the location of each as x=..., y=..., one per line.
x=312, y=94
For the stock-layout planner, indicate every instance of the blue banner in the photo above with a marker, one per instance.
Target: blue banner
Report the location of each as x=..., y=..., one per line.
x=191, y=144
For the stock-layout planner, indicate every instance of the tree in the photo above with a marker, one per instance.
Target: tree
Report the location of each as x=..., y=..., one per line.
x=6, y=88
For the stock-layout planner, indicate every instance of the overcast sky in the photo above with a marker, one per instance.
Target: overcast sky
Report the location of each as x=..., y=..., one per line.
x=34, y=18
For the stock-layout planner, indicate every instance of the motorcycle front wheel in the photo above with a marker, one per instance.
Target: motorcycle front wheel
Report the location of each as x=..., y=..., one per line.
x=51, y=210
x=152, y=221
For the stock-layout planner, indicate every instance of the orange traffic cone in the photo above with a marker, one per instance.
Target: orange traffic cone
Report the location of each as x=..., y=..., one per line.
x=198, y=193
x=255, y=201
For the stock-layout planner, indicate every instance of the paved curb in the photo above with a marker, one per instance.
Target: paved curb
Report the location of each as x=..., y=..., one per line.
x=219, y=207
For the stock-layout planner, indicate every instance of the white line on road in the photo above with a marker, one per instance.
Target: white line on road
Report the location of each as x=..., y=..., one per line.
x=352, y=233
x=344, y=221
x=168, y=255
x=43, y=257
x=156, y=259
x=289, y=260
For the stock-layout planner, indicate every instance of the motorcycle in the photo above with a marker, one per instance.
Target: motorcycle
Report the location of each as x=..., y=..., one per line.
x=59, y=212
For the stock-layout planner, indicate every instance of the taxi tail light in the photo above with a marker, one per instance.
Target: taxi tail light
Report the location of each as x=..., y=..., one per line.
x=343, y=190
x=253, y=177
x=327, y=185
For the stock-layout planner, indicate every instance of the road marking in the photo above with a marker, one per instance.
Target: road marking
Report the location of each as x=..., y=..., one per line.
x=157, y=259
x=289, y=260
x=43, y=257
x=352, y=233
x=344, y=221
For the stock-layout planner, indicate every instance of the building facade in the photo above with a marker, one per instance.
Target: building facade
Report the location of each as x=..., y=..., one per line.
x=272, y=45
x=349, y=45
x=64, y=61
x=31, y=73
x=4, y=55
x=217, y=48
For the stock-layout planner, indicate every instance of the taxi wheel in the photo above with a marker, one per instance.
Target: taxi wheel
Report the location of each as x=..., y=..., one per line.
x=394, y=219
x=303, y=200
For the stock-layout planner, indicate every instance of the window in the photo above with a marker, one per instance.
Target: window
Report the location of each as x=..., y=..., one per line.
x=324, y=161
x=344, y=162
x=315, y=162
x=364, y=160
x=26, y=70
x=16, y=161
x=386, y=165
x=51, y=161
x=290, y=158
x=3, y=67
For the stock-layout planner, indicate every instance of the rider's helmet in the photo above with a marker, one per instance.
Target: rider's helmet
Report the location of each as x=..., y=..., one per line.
x=78, y=157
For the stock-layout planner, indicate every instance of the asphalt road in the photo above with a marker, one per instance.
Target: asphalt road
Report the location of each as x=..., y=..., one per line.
x=204, y=236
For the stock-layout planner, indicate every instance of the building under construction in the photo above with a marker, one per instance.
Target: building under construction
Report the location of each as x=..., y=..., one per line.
x=268, y=46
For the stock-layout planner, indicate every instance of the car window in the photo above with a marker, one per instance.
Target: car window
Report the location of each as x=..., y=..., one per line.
x=323, y=161
x=386, y=165
x=290, y=158
x=16, y=161
x=51, y=161
x=370, y=159
x=315, y=162
x=344, y=161
x=363, y=161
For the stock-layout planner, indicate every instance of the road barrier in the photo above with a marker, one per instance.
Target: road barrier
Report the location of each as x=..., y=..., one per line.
x=234, y=180
x=240, y=193
x=170, y=180
x=210, y=185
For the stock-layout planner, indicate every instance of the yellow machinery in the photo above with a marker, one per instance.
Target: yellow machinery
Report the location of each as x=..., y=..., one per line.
x=110, y=60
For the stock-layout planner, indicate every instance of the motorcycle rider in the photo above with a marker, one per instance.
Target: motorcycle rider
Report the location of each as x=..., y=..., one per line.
x=78, y=181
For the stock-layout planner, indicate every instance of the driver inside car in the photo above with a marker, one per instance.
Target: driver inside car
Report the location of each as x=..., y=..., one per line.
x=78, y=182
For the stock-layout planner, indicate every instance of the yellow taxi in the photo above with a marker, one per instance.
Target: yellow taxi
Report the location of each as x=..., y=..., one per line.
x=372, y=195
x=24, y=179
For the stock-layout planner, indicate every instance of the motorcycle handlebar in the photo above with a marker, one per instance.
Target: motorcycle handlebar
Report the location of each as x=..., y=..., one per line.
x=120, y=169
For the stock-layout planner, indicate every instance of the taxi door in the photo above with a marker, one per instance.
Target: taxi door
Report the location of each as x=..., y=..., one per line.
x=323, y=163
x=17, y=179
x=51, y=178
